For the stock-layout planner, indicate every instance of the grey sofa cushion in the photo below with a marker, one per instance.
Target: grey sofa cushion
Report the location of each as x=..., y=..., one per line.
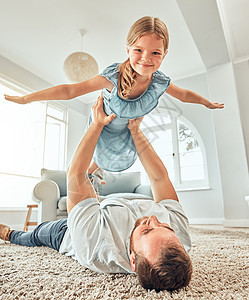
x=119, y=183
x=61, y=214
x=62, y=203
x=128, y=196
x=60, y=177
x=144, y=189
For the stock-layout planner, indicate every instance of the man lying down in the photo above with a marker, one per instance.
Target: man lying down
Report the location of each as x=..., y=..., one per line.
x=149, y=238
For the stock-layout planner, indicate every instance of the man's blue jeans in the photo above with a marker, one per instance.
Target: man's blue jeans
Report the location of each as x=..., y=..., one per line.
x=48, y=234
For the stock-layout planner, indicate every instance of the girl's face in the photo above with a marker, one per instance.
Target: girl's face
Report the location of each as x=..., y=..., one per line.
x=146, y=54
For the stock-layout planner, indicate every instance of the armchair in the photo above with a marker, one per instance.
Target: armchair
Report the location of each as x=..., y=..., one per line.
x=51, y=192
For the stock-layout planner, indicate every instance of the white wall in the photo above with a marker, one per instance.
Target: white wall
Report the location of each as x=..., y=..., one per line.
x=202, y=206
x=230, y=146
x=241, y=72
x=222, y=134
x=15, y=217
x=214, y=48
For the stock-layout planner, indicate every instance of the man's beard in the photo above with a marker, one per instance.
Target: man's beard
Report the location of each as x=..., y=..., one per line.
x=137, y=223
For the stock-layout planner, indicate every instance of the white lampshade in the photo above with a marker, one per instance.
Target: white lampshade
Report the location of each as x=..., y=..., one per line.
x=80, y=66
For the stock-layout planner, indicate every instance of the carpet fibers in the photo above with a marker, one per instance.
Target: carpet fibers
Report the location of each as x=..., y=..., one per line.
x=220, y=260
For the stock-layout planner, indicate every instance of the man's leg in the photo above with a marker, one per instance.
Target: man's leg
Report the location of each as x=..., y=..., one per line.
x=48, y=234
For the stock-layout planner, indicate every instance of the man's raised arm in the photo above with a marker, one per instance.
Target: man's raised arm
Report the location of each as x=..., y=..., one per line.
x=161, y=185
x=79, y=186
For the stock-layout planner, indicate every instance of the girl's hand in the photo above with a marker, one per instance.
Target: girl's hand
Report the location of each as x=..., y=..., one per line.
x=99, y=116
x=215, y=105
x=16, y=99
x=134, y=124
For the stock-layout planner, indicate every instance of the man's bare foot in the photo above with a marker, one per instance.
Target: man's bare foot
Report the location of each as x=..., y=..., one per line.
x=5, y=232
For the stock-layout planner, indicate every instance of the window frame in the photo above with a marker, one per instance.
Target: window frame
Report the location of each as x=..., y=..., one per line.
x=64, y=120
x=192, y=184
x=173, y=126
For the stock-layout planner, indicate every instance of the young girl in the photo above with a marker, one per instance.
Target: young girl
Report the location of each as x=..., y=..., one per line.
x=130, y=90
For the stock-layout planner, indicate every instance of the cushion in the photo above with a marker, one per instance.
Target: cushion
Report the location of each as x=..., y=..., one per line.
x=128, y=196
x=61, y=214
x=119, y=183
x=60, y=177
x=144, y=190
x=62, y=203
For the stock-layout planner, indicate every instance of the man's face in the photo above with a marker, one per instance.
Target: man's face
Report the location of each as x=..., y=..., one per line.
x=149, y=236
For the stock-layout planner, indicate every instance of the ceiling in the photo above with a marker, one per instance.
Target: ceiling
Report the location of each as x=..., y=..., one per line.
x=39, y=35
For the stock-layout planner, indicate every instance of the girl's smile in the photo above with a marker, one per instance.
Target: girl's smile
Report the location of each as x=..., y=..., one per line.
x=146, y=54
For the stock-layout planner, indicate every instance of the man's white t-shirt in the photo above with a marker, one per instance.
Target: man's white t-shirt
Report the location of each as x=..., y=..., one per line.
x=98, y=234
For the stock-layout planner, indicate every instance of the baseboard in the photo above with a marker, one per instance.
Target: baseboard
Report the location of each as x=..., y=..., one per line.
x=206, y=221
x=217, y=221
x=236, y=223
x=15, y=216
x=19, y=227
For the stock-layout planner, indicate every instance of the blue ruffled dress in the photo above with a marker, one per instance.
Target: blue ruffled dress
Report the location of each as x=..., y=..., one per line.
x=115, y=150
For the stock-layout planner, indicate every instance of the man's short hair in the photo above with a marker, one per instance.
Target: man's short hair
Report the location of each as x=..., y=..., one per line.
x=171, y=271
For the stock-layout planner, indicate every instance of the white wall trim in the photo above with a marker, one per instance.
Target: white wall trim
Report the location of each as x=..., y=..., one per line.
x=236, y=223
x=15, y=217
x=217, y=221
x=13, y=209
x=206, y=221
x=241, y=59
x=13, y=84
x=19, y=227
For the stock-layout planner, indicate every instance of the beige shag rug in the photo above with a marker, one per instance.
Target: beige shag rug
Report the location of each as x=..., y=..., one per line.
x=220, y=259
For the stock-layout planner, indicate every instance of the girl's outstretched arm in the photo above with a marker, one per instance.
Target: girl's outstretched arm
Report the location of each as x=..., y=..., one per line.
x=191, y=97
x=64, y=91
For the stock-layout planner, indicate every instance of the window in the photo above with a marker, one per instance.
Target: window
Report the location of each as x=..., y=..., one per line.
x=55, y=138
x=190, y=154
x=179, y=146
x=33, y=136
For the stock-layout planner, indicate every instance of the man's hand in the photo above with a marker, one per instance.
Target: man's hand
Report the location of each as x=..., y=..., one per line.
x=100, y=118
x=134, y=124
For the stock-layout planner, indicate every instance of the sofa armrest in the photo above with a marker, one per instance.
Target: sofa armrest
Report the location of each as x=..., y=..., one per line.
x=46, y=193
x=144, y=190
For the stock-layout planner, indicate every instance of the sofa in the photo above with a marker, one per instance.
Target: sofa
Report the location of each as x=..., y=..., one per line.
x=51, y=192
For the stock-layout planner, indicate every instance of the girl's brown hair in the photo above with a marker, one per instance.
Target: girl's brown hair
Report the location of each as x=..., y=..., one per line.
x=143, y=26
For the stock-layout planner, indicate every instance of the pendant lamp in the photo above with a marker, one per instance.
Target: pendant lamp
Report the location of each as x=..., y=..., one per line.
x=80, y=66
